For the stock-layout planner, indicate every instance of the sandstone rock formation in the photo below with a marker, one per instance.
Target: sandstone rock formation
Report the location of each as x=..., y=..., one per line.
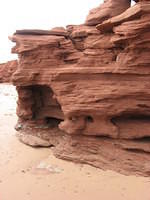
x=108, y=9
x=7, y=70
x=85, y=89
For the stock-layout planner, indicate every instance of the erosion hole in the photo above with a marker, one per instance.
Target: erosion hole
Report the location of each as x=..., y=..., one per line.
x=52, y=122
x=89, y=119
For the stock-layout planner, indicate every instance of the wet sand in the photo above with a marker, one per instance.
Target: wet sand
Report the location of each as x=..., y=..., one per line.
x=28, y=173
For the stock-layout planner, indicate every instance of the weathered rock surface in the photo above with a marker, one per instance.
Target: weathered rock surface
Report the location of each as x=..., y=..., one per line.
x=79, y=84
x=109, y=8
x=7, y=70
x=33, y=141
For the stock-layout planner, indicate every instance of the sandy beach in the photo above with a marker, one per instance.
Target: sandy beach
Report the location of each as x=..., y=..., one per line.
x=28, y=173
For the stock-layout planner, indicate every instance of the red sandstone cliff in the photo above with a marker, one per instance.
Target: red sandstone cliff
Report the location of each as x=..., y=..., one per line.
x=7, y=70
x=91, y=79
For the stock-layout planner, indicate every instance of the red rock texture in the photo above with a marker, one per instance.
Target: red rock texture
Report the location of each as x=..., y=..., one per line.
x=89, y=80
x=109, y=8
x=7, y=70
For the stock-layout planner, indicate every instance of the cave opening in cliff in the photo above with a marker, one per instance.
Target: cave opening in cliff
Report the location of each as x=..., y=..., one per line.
x=46, y=107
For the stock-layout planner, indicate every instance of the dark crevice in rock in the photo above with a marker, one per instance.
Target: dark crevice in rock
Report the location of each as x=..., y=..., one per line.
x=52, y=122
x=89, y=119
x=139, y=151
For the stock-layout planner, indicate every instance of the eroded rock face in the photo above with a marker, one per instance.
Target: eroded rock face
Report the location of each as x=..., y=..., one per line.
x=109, y=8
x=78, y=84
x=7, y=70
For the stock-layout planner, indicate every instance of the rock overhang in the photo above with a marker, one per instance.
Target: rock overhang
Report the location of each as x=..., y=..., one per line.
x=93, y=79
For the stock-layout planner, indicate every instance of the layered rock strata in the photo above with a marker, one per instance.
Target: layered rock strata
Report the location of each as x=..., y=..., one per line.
x=7, y=70
x=85, y=89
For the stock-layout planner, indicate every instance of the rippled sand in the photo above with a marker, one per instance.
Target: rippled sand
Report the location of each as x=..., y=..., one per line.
x=35, y=174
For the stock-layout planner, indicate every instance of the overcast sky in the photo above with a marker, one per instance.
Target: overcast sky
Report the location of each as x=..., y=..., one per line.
x=45, y=14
